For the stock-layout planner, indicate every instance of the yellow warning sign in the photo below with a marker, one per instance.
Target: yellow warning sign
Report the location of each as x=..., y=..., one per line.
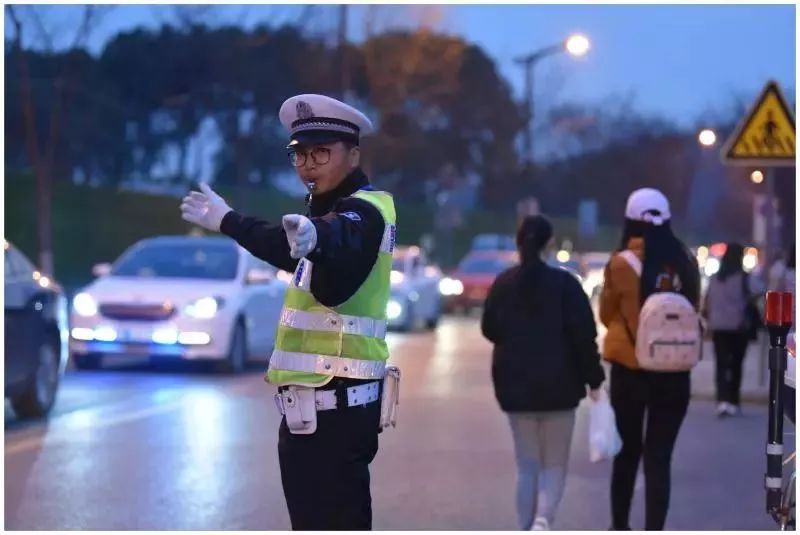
x=766, y=136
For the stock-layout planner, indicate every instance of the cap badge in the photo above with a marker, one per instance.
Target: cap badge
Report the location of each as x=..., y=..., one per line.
x=304, y=110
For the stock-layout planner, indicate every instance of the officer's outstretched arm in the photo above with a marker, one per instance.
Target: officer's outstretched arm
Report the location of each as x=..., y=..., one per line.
x=263, y=239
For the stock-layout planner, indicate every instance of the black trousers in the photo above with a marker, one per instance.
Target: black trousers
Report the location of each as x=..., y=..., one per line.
x=730, y=348
x=325, y=475
x=662, y=399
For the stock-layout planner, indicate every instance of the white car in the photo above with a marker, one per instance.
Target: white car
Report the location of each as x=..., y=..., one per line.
x=594, y=265
x=415, y=299
x=193, y=298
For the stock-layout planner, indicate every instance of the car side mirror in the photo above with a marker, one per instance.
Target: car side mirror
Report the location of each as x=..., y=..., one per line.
x=101, y=270
x=259, y=276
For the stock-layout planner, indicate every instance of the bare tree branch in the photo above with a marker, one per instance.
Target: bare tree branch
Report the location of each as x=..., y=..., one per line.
x=84, y=28
x=12, y=14
x=160, y=13
x=188, y=16
x=45, y=35
x=43, y=157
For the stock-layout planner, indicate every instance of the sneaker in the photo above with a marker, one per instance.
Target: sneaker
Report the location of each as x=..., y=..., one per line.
x=733, y=410
x=722, y=409
x=540, y=524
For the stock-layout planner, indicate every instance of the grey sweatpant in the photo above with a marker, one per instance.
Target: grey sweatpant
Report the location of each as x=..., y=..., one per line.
x=541, y=444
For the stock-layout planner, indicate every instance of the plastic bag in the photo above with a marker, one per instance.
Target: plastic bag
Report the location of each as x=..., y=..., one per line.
x=604, y=440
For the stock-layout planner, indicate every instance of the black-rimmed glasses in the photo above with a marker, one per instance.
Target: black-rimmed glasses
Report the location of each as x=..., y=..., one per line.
x=320, y=156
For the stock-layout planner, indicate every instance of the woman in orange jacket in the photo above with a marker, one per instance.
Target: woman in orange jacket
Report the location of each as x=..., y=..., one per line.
x=662, y=398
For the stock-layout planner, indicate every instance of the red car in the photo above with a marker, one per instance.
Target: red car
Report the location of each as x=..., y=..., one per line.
x=469, y=284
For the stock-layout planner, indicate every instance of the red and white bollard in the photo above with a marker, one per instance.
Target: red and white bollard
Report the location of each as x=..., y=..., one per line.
x=778, y=319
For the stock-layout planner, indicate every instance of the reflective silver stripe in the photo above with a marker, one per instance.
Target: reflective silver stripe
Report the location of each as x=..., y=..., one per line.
x=774, y=449
x=773, y=482
x=302, y=275
x=326, y=365
x=331, y=322
x=387, y=244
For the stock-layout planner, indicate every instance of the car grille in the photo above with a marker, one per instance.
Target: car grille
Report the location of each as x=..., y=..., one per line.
x=140, y=312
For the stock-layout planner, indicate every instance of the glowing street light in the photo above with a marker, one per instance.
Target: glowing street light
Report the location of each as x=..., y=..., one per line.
x=577, y=44
x=707, y=138
x=757, y=177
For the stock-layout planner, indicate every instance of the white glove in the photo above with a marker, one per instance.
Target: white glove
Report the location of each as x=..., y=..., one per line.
x=204, y=209
x=301, y=235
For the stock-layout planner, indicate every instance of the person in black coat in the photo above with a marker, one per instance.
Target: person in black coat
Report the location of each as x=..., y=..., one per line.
x=545, y=355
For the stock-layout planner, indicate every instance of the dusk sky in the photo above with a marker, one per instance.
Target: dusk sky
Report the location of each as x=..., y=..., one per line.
x=682, y=62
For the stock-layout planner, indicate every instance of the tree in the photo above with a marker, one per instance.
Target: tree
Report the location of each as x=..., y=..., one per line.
x=424, y=87
x=41, y=144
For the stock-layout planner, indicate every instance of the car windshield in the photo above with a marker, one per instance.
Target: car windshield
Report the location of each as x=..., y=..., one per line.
x=492, y=264
x=184, y=260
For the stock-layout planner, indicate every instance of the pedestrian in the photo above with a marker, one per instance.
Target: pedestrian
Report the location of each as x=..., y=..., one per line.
x=330, y=353
x=650, y=260
x=545, y=355
x=787, y=280
x=728, y=309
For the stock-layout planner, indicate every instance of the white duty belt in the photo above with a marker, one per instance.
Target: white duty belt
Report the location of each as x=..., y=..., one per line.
x=325, y=400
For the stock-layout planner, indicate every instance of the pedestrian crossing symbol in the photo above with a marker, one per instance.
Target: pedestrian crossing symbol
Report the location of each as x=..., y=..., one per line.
x=766, y=136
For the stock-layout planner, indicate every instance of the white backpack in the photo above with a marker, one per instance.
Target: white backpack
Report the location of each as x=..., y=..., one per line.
x=669, y=338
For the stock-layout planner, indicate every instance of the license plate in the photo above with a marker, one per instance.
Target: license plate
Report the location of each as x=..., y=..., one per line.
x=137, y=334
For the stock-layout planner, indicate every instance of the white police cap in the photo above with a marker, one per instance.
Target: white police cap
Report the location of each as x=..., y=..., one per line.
x=317, y=119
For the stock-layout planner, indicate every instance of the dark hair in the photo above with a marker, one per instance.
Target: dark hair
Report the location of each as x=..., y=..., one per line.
x=731, y=262
x=533, y=234
x=663, y=253
x=631, y=229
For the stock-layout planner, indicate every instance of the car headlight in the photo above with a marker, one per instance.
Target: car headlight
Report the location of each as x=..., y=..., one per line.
x=396, y=277
x=84, y=305
x=203, y=308
x=393, y=310
x=711, y=267
x=448, y=286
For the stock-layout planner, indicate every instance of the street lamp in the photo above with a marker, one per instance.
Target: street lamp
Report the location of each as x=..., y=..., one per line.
x=575, y=45
x=757, y=177
x=707, y=138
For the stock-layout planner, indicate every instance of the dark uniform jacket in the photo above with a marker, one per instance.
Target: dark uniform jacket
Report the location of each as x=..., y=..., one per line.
x=349, y=234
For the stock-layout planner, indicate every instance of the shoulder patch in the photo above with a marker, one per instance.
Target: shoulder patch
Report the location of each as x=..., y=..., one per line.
x=351, y=215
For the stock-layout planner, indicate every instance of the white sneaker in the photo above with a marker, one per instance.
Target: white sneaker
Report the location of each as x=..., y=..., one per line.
x=733, y=410
x=540, y=524
x=722, y=409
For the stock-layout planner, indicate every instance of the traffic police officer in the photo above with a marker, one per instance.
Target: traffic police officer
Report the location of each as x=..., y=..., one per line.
x=329, y=357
